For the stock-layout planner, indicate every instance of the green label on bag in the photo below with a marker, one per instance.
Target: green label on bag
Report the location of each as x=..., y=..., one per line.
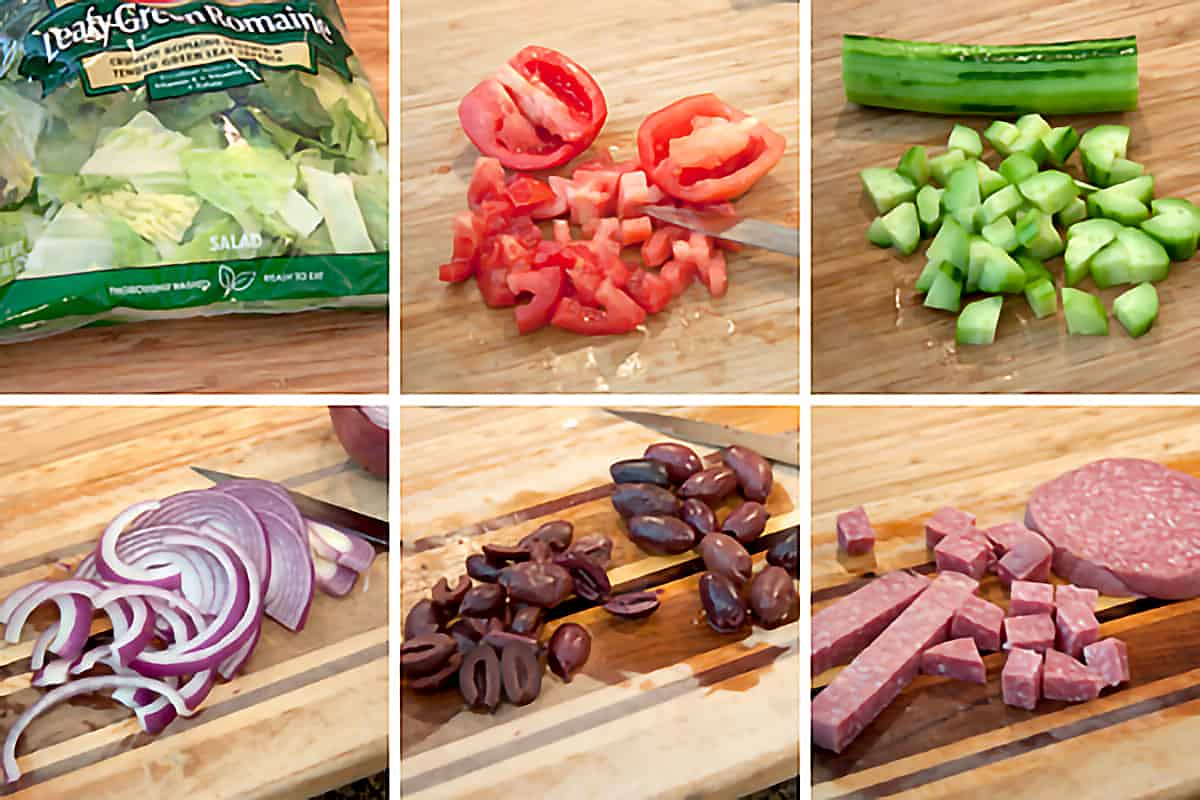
x=178, y=49
x=14, y=246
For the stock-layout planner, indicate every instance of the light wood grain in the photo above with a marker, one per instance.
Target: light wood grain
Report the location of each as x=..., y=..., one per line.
x=665, y=707
x=870, y=332
x=945, y=739
x=310, y=352
x=745, y=52
x=66, y=472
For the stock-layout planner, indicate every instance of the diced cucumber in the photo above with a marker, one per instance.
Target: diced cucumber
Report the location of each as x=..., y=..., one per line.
x=1176, y=226
x=1110, y=267
x=962, y=190
x=1137, y=309
x=952, y=244
x=1085, y=313
x=1001, y=274
x=1118, y=206
x=1002, y=204
x=1031, y=128
x=1037, y=234
x=887, y=188
x=1018, y=167
x=1076, y=211
x=1051, y=191
x=941, y=167
x=1002, y=136
x=946, y=292
x=878, y=234
x=925, y=279
x=903, y=227
x=1034, y=270
x=1041, y=297
x=977, y=322
x=1140, y=187
x=990, y=181
x=1123, y=169
x=966, y=140
x=968, y=217
x=1099, y=148
x=914, y=165
x=1084, y=240
x=1059, y=144
x=1176, y=205
x=1002, y=233
x=929, y=209
x=1148, y=260
x=981, y=250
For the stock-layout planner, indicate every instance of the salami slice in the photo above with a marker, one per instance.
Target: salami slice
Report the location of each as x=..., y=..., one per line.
x=1124, y=527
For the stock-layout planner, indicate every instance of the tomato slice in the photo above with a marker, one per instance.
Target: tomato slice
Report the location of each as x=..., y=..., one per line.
x=701, y=150
x=540, y=110
x=546, y=286
x=619, y=315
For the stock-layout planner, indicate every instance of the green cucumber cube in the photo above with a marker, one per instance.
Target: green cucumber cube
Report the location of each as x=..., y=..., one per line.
x=1123, y=170
x=1031, y=128
x=878, y=234
x=1117, y=206
x=1137, y=309
x=1148, y=260
x=1018, y=167
x=967, y=140
x=928, y=273
x=1041, y=297
x=929, y=209
x=1084, y=240
x=1003, y=203
x=1002, y=233
x=952, y=244
x=903, y=227
x=962, y=190
x=1176, y=226
x=990, y=181
x=1099, y=148
x=981, y=250
x=1076, y=211
x=1001, y=274
x=1002, y=135
x=1085, y=313
x=1059, y=144
x=1034, y=270
x=1037, y=234
x=941, y=167
x=1110, y=267
x=914, y=165
x=977, y=322
x=1051, y=191
x=946, y=292
x=887, y=188
x=1140, y=187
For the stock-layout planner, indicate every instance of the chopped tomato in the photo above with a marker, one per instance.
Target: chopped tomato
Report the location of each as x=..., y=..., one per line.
x=540, y=110
x=546, y=286
x=525, y=231
x=619, y=315
x=466, y=249
x=494, y=216
x=678, y=275
x=562, y=231
x=713, y=274
x=604, y=161
x=701, y=150
x=604, y=228
x=528, y=193
x=487, y=183
x=492, y=279
x=657, y=249
x=634, y=193
x=652, y=292
x=638, y=229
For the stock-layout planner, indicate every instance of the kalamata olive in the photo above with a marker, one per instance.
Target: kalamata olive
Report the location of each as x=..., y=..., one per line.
x=680, y=460
x=502, y=554
x=482, y=570
x=591, y=581
x=633, y=605
x=556, y=535
x=442, y=678
x=446, y=598
x=596, y=546
x=502, y=639
x=640, y=470
x=661, y=536
x=423, y=655
x=752, y=470
x=568, y=651
x=773, y=596
x=527, y=621
x=786, y=553
x=724, y=555
x=423, y=618
x=711, y=485
x=746, y=522
x=722, y=604
x=479, y=678
x=640, y=499
x=521, y=674
x=467, y=632
x=699, y=515
x=543, y=584
x=483, y=601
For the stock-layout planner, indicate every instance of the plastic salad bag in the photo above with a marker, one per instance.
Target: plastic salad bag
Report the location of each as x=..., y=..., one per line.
x=184, y=158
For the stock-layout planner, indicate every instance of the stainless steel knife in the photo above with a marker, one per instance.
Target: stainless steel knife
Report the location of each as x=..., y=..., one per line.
x=356, y=523
x=755, y=232
x=783, y=448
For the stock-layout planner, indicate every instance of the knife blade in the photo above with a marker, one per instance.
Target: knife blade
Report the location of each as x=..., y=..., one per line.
x=783, y=448
x=755, y=232
x=356, y=523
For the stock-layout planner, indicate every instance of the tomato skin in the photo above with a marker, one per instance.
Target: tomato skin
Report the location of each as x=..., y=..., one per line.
x=734, y=175
x=546, y=286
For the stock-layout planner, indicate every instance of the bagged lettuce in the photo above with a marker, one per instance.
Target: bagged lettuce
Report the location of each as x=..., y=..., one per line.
x=193, y=158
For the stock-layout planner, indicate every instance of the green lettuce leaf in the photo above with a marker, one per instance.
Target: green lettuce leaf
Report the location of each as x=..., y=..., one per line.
x=143, y=152
x=158, y=218
x=333, y=195
x=21, y=123
x=248, y=183
x=371, y=191
x=76, y=240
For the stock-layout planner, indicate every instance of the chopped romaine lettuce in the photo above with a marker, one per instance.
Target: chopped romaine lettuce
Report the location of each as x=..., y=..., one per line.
x=143, y=152
x=333, y=195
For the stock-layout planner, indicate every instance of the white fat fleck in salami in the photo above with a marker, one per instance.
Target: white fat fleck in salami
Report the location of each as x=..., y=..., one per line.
x=1124, y=527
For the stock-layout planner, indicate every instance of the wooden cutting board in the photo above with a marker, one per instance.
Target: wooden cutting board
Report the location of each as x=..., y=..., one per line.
x=747, y=52
x=656, y=693
x=310, y=711
x=312, y=352
x=951, y=739
x=870, y=331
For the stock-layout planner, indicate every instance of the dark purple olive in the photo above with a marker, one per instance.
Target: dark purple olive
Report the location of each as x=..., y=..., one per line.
x=467, y=632
x=479, y=678
x=711, y=485
x=483, y=601
x=697, y=513
x=722, y=604
x=680, y=460
x=442, y=678
x=595, y=546
x=633, y=605
x=746, y=522
x=555, y=534
x=568, y=651
x=521, y=674
x=640, y=499
x=502, y=639
x=661, y=536
x=640, y=470
x=502, y=555
x=786, y=553
x=446, y=598
x=724, y=555
x=591, y=581
x=543, y=584
x=527, y=621
x=424, y=655
x=752, y=470
x=423, y=618
x=482, y=570
x=773, y=596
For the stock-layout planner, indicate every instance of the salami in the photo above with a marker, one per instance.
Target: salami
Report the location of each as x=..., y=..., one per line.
x=1030, y=597
x=1021, y=679
x=958, y=659
x=1064, y=678
x=841, y=630
x=979, y=620
x=1109, y=659
x=856, y=537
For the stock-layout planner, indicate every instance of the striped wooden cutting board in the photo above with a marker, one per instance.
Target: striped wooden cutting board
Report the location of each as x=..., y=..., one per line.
x=64, y=473
x=665, y=707
x=943, y=738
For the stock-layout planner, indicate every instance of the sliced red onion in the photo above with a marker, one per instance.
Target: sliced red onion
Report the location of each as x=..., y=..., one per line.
x=38, y=657
x=74, y=626
x=87, y=567
x=155, y=712
x=333, y=579
x=232, y=665
x=290, y=592
x=17, y=597
x=70, y=618
x=110, y=564
x=160, y=599
x=12, y=771
x=54, y=673
x=348, y=551
x=172, y=626
x=264, y=496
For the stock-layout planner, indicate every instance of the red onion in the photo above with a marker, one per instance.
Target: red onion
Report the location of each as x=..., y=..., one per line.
x=54, y=673
x=290, y=591
x=333, y=579
x=347, y=551
x=17, y=597
x=75, y=617
x=363, y=432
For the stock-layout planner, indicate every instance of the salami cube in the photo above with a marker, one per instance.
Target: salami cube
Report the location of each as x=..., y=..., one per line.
x=1030, y=597
x=1077, y=627
x=944, y=522
x=1064, y=678
x=1005, y=535
x=1030, y=632
x=1028, y=560
x=959, y=552
x=958, y=659
x=841, y=630
x=856, y=537
x=980, y=620
x=1080, y=595
x=1021, y=678
x=1109, y=659
x=889, y=664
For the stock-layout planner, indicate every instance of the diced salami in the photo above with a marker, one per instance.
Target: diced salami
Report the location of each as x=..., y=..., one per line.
x=1065, y=594
x=1076, y=628
x=1021, y=678
x=980, y=620
x=1030, y=632
x=1123, y=526
x=958, y=659
x=962, y=552
x=856, y=537
x=890, y=663
x=841, y=630
x=1028, y=560
x=1064, y=678
x=1030, y=597
x=1005, y=535
x=1109, y=659
x=944, y=522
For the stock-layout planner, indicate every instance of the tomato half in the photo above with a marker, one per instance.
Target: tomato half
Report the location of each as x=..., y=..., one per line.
x=540, y=110
x=701, y=150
